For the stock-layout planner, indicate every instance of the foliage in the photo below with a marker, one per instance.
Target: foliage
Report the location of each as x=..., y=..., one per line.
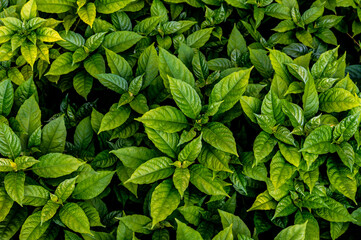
x=180, y=119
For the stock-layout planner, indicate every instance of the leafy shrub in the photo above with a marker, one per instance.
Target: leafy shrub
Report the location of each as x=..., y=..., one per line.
x=180, y=119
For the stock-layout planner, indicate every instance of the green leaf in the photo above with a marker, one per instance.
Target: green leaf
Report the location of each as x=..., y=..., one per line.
x=165, y=199
x=24, y=162
x=263, y=146
x=165, y=118
x=291, y=154
x=338, y=100
x=347, y=127
x=170, y=65
x=326, y=65
x=62, y=65
x=148, y=63
x=118, y=65
x=152, y=170
x=191, y=151
x=147, y=25
x=32, y=227
x=6, y=97
x=65, y=189
x=294, y=113
x=310, y=177
x=87, y=13
x=335, y=212
x=261, y=62
x=46, y=34
x=25, y=91
x=199, y=38
x=114, y=118
x=49, y=210
x=264, y=201
x=92, y=214
x=272, y=106
x=72, y=41
x=236, y=41
x=29, y=10
x=36, y=196
x=29, y=52
x=285, y=207
x=14, y=186
x=55, y=6
x=279, y=61
x=342, y=179
x=337, y=229
x=185, y=97
x=74, y=218
x=29, y=116
x=214, y=159
x=83, y=84
x=13, y=222
x=283, y=134
x=296, y=232
x=202, y=178
x=319, y=141
x=53, y=165
x=310, y=99
x=185, y=232
x=6, y=203
x=230, y=89
x=251, y=106
x=279, y=11
x=53, y=136
x=312, y=14
x=225, y=234
x=347, y=155
x=121, y=40
x=312, y=228
x=113, y=82
x=9, y=142
x=219, y=137
x=95, y=65
x=238, y=226
x=165, y=142
x=181, y=178
x=280, y=170
x=92, y=185
x=108, y=7
x=136, y=223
